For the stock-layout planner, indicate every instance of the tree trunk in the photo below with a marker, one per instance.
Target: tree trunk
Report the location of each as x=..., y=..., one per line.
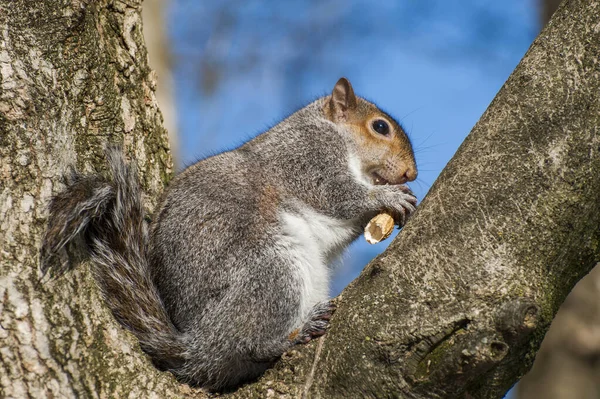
x=456, y=307
x=74, y=76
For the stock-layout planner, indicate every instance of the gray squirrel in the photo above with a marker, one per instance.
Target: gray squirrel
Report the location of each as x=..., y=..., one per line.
x=234, y=269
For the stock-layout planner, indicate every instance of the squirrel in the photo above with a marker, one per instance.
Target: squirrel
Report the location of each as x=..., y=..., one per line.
x=234, y=268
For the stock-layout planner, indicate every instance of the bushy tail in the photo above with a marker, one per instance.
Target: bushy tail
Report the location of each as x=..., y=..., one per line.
x=106, y=215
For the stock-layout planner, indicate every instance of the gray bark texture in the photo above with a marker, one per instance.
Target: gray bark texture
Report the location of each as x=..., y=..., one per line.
x=74, y=76
x=456, y=307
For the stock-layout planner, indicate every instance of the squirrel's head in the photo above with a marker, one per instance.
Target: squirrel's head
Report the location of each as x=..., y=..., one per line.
x=383, y=148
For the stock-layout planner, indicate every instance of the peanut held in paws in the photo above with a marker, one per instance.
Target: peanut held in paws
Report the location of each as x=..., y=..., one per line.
x=379, y=228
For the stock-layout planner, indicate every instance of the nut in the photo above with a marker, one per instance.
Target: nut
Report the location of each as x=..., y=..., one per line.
x=379, y=228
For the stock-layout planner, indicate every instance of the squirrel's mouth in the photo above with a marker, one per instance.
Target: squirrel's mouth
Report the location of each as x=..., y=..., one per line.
x=378, y=180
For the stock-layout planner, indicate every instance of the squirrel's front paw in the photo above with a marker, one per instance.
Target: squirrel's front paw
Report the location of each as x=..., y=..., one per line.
x=398, y=200
x=317, y=323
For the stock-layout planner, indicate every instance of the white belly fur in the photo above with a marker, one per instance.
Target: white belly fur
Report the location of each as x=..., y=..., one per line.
x=314, y=241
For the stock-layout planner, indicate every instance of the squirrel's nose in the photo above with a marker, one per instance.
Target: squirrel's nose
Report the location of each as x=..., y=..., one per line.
x=410, y=174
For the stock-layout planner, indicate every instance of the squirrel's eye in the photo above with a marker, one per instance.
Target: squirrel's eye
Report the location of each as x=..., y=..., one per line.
x=381, y=127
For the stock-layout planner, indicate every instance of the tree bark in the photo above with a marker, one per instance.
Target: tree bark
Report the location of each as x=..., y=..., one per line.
x=566, y=365
x=456, y=307
x=74, y=76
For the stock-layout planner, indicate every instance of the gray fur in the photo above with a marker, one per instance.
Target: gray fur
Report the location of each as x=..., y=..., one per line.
x=214, y=293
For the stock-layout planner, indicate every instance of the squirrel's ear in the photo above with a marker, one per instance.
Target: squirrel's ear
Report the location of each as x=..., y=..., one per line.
x=342, y=100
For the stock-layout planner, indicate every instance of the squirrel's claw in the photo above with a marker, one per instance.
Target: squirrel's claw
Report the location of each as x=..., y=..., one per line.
x=317, y=324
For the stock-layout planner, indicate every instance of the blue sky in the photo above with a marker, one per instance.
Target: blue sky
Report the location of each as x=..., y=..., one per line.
x=241, y=66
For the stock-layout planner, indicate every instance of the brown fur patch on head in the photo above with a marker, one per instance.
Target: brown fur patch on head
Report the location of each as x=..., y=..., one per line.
x=385, y=158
